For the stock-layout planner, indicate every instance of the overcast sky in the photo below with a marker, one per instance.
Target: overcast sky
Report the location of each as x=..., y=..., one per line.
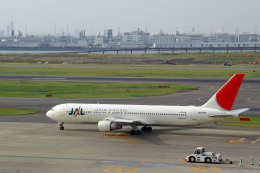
x=41, y=16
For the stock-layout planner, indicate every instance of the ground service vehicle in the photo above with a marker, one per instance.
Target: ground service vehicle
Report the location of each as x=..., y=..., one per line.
x=169, y=61
x=257, y=61
x=227, y=64
x=200, y=155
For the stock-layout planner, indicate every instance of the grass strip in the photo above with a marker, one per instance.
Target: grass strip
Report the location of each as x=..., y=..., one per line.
x=254, y=122
x=39, y=89
x=15, y=111
x=115, y=72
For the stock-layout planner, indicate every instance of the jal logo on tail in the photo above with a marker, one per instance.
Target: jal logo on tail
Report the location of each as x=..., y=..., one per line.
x=76, y=112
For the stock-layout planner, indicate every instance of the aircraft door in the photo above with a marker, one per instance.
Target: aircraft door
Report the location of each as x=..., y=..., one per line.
x=194, y=118
x=193, y=115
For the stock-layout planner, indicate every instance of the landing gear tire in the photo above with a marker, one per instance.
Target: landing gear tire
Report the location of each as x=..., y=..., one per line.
x=135, y=132
x=149, y=129
x=145, y=128
x=61, y=126
x=132, y=132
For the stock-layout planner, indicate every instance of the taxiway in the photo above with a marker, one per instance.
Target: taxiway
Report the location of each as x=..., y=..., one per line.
x=34, y=143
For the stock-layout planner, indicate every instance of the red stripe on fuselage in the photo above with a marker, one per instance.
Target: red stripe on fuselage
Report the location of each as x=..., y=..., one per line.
x=227, y=94
x=77, y=112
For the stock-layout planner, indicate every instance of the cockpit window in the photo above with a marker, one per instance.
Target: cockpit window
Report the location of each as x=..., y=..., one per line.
x=52, y=109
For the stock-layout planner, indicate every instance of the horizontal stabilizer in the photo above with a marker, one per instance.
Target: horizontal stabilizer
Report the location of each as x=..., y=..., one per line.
x=239, y=111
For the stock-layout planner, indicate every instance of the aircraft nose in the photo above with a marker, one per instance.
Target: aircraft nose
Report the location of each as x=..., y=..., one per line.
x=48, y=114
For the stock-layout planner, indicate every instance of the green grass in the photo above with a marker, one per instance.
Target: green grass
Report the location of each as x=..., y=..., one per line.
x=14, y=111
x=115, y=72
x=201, y=58
x=35, y=89
x=133, y=65
x=254, y=122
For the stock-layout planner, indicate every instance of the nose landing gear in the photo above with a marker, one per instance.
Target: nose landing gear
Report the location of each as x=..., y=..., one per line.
x=61, y=126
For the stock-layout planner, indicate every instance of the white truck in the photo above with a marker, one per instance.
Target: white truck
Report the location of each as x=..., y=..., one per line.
x=201, y=155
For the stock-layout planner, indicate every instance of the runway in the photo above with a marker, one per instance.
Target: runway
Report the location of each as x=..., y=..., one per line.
x=34, y=143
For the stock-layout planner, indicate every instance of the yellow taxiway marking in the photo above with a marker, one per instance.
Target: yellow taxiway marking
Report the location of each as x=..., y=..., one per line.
x=119, y=170
x=116, y=170
x=241, y=140
x=120, y=134
x=133, y=171
x=201, y=99
x=132, y=141
x=217, y=168
x=197, y=169
x=252, y=100
x=254, y=142
x=123, y=136
x=201, y=167
x=138, y=164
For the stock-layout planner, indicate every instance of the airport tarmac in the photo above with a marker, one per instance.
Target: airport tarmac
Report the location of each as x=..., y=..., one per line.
x=42, y=147
x=34, y=143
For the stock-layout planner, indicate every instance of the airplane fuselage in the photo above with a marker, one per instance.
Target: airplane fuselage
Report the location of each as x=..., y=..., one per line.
x=146, y=114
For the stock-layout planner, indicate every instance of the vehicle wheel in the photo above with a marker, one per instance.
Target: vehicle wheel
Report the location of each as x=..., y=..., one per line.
x=208, y=160
x=143, y=129
x=192, y=159
x=61, y=128
x=149, y=129
x=137, y=132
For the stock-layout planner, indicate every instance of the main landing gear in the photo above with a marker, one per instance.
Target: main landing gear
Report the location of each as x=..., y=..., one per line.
x=147, y=129
x=61, y=126
x=135, y=130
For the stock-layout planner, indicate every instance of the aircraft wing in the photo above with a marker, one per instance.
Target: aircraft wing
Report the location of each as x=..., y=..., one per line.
x=127, y=122
x=221, y=116
x=123, y=121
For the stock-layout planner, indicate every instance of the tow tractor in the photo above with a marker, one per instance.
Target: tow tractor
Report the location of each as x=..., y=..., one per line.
x=201, y=155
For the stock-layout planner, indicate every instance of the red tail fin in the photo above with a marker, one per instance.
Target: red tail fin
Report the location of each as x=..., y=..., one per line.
x=226, y=95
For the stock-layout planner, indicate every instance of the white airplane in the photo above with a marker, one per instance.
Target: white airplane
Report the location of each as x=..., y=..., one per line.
x=111, y=117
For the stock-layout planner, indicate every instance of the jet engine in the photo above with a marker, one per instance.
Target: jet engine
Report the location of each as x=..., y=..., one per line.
x=106, y=126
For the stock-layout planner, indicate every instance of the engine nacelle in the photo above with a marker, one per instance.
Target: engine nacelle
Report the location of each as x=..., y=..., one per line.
x=106, y=126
